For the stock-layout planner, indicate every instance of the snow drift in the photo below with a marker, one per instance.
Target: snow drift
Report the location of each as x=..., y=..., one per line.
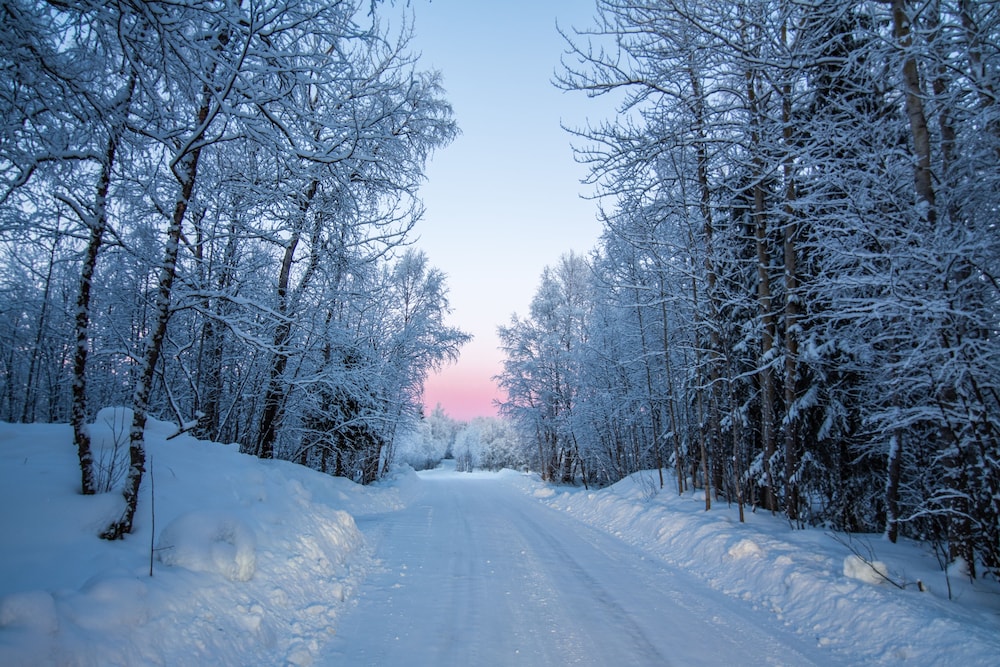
x=252, y=559
x=819, y=584
x=217, y=542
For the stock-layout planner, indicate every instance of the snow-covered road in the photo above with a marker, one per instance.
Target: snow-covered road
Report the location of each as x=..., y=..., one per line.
x=475, y=572
x=262, y=563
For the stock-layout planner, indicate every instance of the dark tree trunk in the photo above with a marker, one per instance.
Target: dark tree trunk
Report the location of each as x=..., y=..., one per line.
x=274, y=399
x=185, y=170
x=98, y=224
x=144, y=383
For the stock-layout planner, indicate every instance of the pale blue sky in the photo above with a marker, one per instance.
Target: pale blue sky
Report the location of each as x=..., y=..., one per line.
x=503, y=201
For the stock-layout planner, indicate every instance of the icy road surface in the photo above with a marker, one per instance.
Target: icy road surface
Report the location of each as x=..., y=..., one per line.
x=474, y=572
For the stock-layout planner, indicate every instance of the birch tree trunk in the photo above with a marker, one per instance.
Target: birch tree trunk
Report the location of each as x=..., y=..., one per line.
x=914, y=94
x=185, y=170
x=97, y=224
x=154, y=343
x=921, y=148
x=671, y=387
x=709, y=415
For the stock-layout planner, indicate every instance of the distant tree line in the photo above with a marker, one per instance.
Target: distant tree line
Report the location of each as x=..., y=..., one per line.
x=794, y=303
x=484, y=443
x=205, y=208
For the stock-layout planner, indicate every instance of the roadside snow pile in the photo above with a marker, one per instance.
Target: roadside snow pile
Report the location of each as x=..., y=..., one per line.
x=252, y=559
x=745, y=549
x=210, y=542
x=829, y=586
x=870, y=572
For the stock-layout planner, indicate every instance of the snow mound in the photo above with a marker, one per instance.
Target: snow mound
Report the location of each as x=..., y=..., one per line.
x=870, y=572
x=745, y=549
x=250, y=550
x=111, y=418
x=35, y=610
x=108, y=603
x=210, y=541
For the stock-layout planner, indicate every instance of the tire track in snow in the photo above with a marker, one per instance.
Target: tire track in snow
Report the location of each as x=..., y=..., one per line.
x=473, y=572
x=619, y=618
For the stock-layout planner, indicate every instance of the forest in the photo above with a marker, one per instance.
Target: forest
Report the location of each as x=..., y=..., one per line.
x=794, y=302
x=206, y=215
x=207, y=211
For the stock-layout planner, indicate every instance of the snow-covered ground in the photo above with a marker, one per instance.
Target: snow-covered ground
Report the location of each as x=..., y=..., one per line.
x=811, y=582
x=476, y=573
x=268, y=563
x=252, y=559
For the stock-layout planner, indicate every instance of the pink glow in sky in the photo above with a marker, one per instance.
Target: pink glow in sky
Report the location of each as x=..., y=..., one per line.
x=504, y=200
x=462, y=392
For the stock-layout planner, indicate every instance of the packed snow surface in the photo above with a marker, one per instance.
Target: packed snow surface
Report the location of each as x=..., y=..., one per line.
x=474, y=573
x=267, y=563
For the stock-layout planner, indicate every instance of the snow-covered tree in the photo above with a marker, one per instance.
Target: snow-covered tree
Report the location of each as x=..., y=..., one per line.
x=803, y=200
x=540, y=371
x=245, y=174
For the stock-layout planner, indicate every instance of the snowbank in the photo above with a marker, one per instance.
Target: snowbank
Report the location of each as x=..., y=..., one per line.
x=252, y=559
x=818, y=584
x=868, y=571
x=203, y=541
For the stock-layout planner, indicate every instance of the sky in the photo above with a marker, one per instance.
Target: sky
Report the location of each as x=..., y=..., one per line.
x=504, y=200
